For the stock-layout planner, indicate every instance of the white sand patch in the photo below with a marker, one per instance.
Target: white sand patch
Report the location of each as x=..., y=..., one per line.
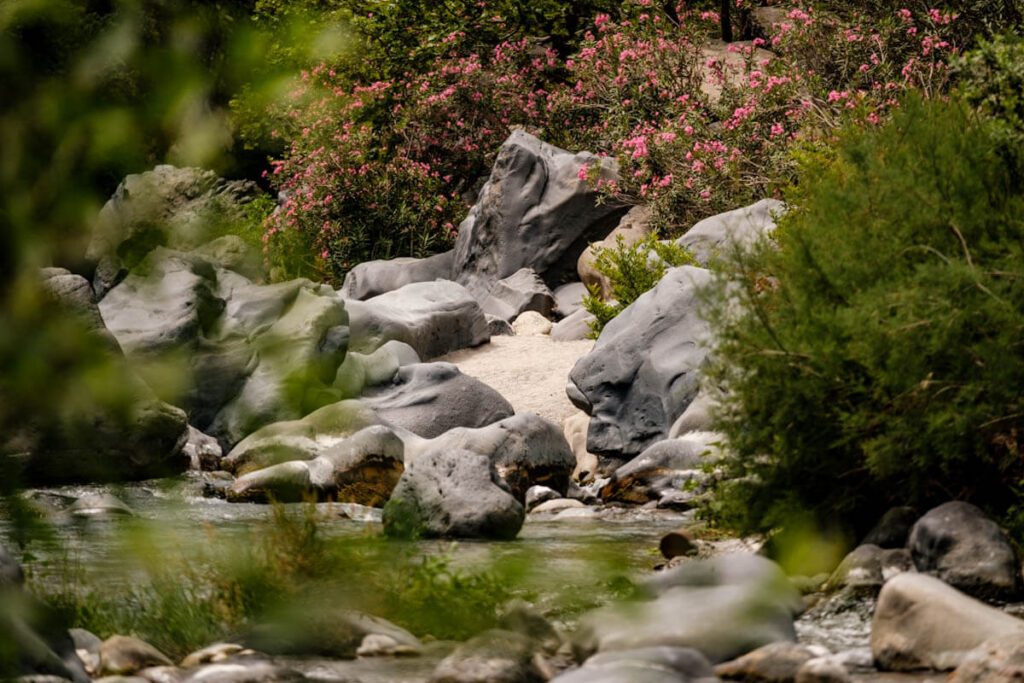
x=530, y=371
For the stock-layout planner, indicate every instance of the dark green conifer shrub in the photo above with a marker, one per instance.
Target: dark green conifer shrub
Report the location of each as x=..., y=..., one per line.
x=875, y=352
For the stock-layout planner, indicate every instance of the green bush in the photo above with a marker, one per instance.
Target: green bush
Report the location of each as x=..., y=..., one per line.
x=631, y=269
x=873, y=355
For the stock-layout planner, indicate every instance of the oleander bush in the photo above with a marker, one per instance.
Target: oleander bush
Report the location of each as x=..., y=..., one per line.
x=873, y=353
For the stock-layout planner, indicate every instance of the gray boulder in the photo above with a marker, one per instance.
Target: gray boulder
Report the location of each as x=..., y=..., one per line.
x=868, y=567
x=454, y=494
x=521, y=291
x=202, y=450
x=321, y=629
x=569, y=298
x=363, y=469
x=573, y=327
x=433, y=318
x=286, y=482
x=359, y=370
x=524, y=449
x=533, y=212
x=234, y=253
x=430, y=399
x=176, y=207
x=371, y=278
x=960, y=545
x=921, y=622
x=713, y=237
x=643, y=665
x=644, y=369
x=723, y=607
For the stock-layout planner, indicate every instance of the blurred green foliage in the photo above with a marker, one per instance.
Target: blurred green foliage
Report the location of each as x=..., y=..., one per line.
x=872, y=353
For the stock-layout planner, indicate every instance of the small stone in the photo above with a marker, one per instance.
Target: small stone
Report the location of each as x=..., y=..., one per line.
x=677, y=543
x=530, y=324
x=822, y=670
x=557, y=505
x=217, y=652
x=536, y=495
x=773, y=663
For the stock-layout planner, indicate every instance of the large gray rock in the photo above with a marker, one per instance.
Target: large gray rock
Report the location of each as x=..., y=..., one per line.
x=644, y=370
x=431, y=317
x=370, y=278
x=252, y=354
x=534, y=212
x=429, y=399
x=644, y=665
x=177, y=207
x=921, y=622
x=960, y=545
x=723, y=607
x=455, y=494
x=521, y=291
x=524, y=449
x=740, y=228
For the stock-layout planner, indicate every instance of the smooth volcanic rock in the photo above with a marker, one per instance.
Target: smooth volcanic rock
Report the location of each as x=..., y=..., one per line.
x=921, y=622
x=667, y=466
x=960, y=545
x=525, y=450
x=740, y=228
x=533, y=212
x=433, y=318
x=644, y=370
x=429, y=399
x=493, y=657
x=452, y=494
x=371, y=278
x=521, y=291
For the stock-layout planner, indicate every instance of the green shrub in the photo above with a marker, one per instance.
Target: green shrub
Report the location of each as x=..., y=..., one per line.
x=631, y=269
x=873, y=355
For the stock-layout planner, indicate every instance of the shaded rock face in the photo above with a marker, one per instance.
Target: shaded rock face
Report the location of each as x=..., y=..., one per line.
x=253, y=354
x=868, y=567
x=176, y=207
x=740, y=228
x=533, y=212
x=372, y=278
x=722, y=607
x=454, y=494
x=893, y=529
x=921, y=622
x=431, y=317
x=960, y=545
x=134, y=436
x=643, y=665
x=644, y=369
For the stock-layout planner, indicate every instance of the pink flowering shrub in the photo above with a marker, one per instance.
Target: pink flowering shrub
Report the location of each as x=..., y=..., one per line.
x=383, y=168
